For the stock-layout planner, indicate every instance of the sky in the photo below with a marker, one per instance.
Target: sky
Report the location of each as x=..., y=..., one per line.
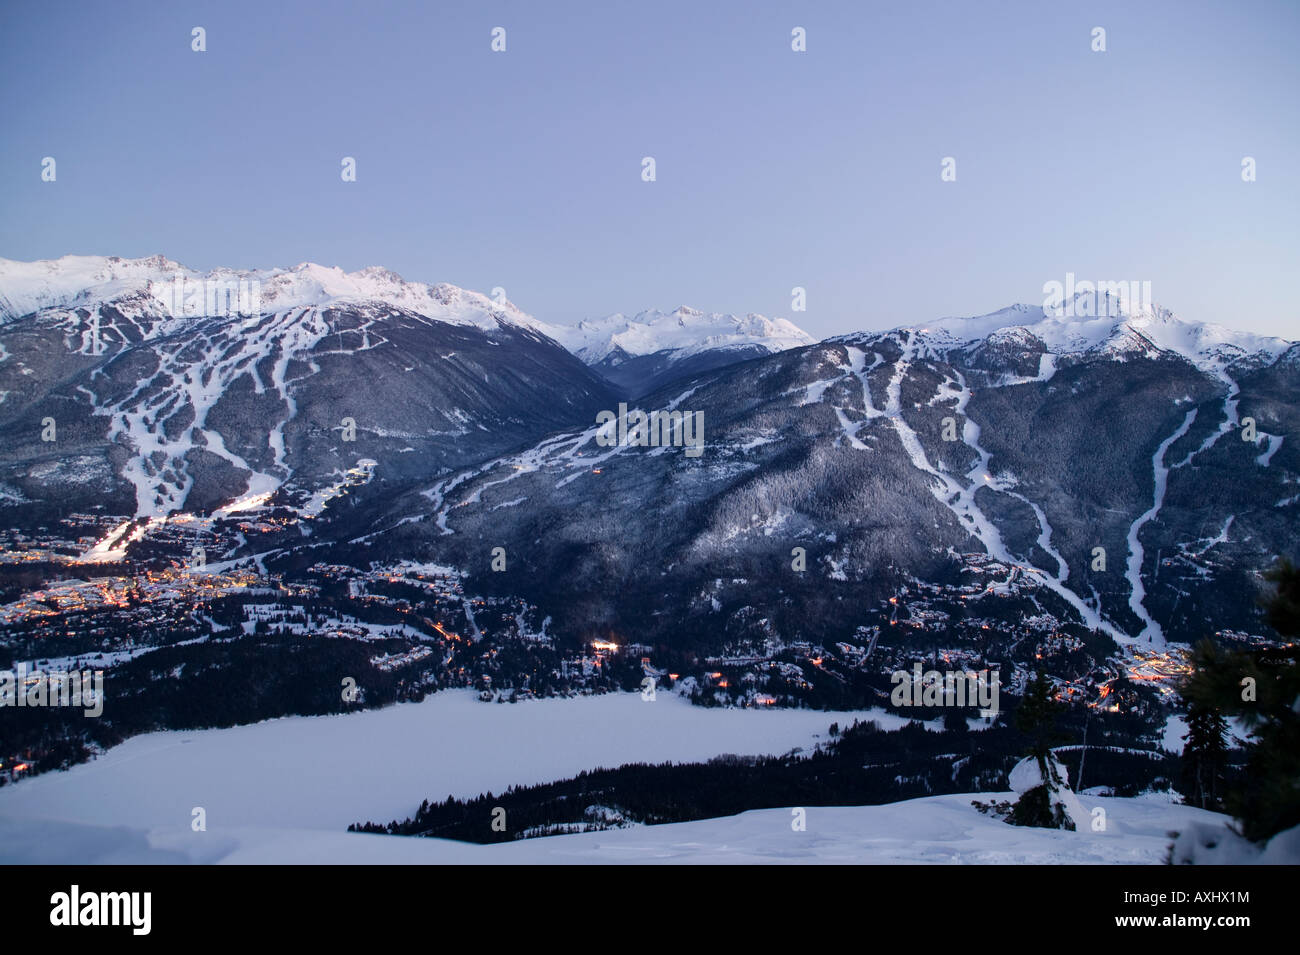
x=774, y=169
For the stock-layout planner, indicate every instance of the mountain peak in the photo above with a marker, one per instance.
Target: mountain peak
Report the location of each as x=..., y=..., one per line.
x=173, y=290
x=1097, y=322
x=682, y=332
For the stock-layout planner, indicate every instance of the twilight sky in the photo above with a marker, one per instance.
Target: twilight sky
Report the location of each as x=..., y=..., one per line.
x=775, y=169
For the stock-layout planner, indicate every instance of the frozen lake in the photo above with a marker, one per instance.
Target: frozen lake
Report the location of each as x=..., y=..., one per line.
x=328, y=771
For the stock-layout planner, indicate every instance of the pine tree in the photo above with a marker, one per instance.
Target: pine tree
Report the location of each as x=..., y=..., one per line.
x=1262, y=688
x=1204, y=757
x=1037, y=714
x=1036, y=718
x=1283, y=605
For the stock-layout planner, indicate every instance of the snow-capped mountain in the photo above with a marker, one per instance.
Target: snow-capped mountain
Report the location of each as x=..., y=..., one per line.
x=1029, y=437
x=1100, y=324
x=167, y=389
x=635, y=354
x=684, y=331
x=157, y=287
x=183, y=389
x=1133, y=473
x=652, y=348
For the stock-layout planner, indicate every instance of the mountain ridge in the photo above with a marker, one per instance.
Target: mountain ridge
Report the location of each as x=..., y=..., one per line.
x=1094, y=318
x=891, y=456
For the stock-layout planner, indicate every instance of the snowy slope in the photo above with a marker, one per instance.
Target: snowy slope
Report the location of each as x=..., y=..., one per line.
x=1052, y=454
x=285, y=790
x=933, y=830
x=87, y=280
x=192, y=390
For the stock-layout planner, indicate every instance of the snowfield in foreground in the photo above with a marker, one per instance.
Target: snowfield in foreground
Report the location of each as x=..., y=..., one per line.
x=284, y=791
x=933, y=830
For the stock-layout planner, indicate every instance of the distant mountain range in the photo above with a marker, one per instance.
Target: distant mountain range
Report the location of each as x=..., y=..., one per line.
x=653, y=348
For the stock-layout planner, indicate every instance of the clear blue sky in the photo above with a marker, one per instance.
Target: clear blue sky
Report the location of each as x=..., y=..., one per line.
x=775, y=169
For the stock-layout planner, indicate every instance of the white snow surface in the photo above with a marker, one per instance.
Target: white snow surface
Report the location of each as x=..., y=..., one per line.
x=283, y=791
x=1096, y=322
x=936, y=830
x=1213, y=844
x=1094, y=327
x=328, y=771
x=89, y=280
x=684, y=331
